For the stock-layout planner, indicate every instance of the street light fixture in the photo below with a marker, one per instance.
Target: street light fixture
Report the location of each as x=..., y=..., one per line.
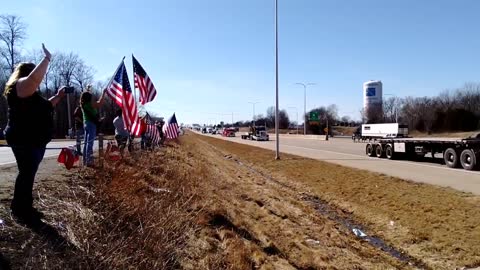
x=253, y=104
x=305, y=104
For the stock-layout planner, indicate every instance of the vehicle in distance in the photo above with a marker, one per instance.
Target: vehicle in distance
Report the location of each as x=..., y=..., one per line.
x=377, y=131
x=258, y=133
x=455, y=152
x=228, y=132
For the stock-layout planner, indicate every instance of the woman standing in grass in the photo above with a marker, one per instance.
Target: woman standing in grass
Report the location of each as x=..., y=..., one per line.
x=90, y=122
x=28, y=111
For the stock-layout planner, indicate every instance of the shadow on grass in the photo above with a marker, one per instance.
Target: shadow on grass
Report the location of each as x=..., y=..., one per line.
x=50, y=234
x=4, y=263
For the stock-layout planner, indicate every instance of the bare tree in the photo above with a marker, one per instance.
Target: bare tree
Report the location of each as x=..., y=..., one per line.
x=83, y=74
x=12, y=34
x=391, y=107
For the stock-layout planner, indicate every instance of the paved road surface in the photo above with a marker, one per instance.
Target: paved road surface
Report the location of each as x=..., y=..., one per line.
x=344, y=152
x=7, y=157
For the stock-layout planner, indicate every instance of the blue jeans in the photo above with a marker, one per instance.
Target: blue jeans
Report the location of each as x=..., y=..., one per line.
x=90, y=134
x=28, y=158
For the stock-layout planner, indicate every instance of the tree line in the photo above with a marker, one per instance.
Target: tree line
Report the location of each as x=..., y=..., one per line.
x=65, y=69
x=451, y=110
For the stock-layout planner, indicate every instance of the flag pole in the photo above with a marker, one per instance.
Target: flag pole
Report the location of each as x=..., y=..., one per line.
x=116, y=70
x=134, y=88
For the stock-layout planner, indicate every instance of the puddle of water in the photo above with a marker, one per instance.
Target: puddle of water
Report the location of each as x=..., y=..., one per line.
x=326, y=210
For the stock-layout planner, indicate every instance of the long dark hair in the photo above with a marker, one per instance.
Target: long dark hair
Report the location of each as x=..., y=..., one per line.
x=21, y=70
x=85, y=98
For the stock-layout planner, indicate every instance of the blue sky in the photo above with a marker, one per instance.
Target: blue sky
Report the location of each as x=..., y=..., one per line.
x=209, y=58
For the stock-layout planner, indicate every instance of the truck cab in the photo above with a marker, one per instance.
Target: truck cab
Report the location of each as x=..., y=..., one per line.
x=257, y=133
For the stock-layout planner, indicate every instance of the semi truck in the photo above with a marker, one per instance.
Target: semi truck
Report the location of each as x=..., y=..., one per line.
x=257, y=133
x=455, y=152
x=378, y=131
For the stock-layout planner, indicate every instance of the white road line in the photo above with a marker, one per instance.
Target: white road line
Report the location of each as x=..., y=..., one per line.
x=399, y=161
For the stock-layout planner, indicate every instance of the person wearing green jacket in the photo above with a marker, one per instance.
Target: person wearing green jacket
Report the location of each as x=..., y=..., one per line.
x=90, y=122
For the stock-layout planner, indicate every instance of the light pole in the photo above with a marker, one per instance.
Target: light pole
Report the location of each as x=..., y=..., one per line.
x=305, y=105
x=296, y=110
x=328, y=128
x=277, y=136
x=253, y=104
x=67, y=78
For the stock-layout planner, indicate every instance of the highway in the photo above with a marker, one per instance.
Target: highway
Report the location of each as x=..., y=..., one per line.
x=345, y=152
x=7, y=157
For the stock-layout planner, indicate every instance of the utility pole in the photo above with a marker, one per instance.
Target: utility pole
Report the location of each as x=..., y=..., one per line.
x=277, y=137
x=67, y=75
x=328, y=128
x=305, y=104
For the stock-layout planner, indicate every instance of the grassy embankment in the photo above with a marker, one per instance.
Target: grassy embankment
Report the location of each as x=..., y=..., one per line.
x=436, y=225
x=213, y=204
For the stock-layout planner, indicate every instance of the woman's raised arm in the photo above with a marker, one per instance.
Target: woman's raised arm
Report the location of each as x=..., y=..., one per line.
x=28, y=85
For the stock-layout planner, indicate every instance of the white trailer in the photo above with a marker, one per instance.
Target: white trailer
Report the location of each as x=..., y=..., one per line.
x=379, y=131
x=456, y=152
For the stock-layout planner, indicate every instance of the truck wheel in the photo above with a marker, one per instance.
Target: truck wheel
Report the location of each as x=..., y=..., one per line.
x=369, y=149
x=379, y=151
x=389, y=152
x=468, y=159
x=451, y=158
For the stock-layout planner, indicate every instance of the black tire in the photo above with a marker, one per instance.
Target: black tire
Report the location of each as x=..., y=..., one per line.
x=389, y=152
x=468, y=160
x=379, y=153
x=450, y=156
x=370, y=149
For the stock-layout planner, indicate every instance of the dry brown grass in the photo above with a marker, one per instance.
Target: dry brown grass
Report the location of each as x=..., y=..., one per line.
x=436, y=225
x=222, y=214
x=134, y=214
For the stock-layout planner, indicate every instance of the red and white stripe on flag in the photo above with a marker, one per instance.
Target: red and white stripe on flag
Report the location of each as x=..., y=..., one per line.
x=120, y=91
x=172, y=131
x=143, y=83
x=171, y=128
x=145, y=87
x=152, y=130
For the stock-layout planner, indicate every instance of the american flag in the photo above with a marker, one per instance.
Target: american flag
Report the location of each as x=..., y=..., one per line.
x=152, y=130
x=120, y=91
x=171, y=128
x=143, y=83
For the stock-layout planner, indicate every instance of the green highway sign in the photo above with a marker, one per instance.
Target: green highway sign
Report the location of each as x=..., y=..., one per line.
x=314, y=116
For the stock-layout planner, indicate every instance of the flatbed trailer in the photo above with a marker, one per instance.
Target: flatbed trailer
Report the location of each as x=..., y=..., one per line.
x=455, y=152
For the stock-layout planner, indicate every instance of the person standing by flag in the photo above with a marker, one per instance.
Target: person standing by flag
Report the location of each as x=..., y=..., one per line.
x=27, y=111
x=79, y=132
x=90, y=122
x=121, y=133
x=160, y=125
